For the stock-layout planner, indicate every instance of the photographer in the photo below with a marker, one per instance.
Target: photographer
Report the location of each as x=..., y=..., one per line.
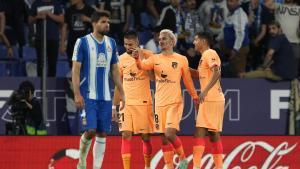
x=26, y=111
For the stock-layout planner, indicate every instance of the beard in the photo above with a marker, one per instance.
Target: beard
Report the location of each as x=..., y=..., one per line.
x=102, y=32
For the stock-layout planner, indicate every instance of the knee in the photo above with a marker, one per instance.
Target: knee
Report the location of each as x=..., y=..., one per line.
x=200, y=132
x=126, y=135
x=214, y=136
x=90, y=133
x=145, y=137
x=164, y=139
x=170, y=136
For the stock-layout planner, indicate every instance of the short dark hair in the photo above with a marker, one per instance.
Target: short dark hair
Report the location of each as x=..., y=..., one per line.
x=97, y=15
x=26, y=86
x=131, y=35
x=275, y=23
x=206, y=36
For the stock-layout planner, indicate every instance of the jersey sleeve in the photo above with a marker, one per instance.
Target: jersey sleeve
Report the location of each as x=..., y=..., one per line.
x=146, y=64
x=121, y=65
x=115, y=54
x=212, y=59
x=78, y=51
x=187, y=79
x=147, y=53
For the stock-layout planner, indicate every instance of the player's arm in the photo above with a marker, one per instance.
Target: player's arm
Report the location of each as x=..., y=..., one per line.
x=146, y=64
x=76, y=84
x=215, y=77
x=148, y=54
x=194, y=73
x=77, y=60
x=117, y=80
x=117, y=96
x=188, y=81
x=117, y=99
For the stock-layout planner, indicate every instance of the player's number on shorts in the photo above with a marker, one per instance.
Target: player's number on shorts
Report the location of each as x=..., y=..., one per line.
x=122, y=116
x=156, y=118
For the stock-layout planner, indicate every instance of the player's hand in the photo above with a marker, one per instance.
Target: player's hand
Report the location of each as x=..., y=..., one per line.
x=79, y=102
x=115, y=115
x=202, y=96
x=135, y=53
x=196, y=103
x=122, y=103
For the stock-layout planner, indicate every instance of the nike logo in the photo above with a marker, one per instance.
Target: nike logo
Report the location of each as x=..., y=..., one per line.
x=157, y=64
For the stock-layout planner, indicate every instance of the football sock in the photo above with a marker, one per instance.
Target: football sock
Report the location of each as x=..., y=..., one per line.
x=198, y=150
x=98, y=152
x=126, y=153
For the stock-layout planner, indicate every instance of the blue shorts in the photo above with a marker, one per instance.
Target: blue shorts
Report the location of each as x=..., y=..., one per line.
x=97, y=115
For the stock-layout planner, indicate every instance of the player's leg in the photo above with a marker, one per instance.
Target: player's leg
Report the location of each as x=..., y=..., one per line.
x=143, y=124
x=89, y=122
x=199, y=146
x=104, y=115
x=217, y=148
x=167, y=148
x=126, y=149
x=217, y=108
x=210, y=117
x=147, y=149
x=168, y=151
x=126, y=127
x=173, y=118
x=99, y=149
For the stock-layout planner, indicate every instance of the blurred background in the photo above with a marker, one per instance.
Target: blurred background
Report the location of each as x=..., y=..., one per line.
x=262, y=94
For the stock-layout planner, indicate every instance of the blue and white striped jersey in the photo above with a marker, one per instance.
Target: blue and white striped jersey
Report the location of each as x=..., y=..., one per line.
x=96, y=59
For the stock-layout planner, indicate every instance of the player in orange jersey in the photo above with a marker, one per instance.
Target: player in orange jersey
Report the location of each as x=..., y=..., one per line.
x=211, y=108
x=169, y=67
x=137, y=116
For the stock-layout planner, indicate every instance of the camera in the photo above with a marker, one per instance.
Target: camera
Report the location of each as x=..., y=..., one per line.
x=19, y=109
x=18, y=112
x=18, y=105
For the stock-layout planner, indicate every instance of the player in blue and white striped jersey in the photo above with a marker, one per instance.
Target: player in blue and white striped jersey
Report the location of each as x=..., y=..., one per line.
x=95, y=57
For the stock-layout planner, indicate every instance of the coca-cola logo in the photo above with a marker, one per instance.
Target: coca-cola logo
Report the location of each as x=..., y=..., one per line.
x=244, y=154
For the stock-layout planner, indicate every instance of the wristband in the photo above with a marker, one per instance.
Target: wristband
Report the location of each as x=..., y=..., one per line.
x=113, y=107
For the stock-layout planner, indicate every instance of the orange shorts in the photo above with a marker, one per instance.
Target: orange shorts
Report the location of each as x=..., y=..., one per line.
x=210, y=115
x=168, y=116
x=138, y=119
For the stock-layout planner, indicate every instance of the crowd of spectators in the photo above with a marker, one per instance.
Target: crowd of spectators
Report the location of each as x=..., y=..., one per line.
x=242, y=30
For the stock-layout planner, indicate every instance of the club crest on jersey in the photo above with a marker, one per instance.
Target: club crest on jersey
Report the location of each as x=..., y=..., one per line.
x=174, y=65
x=101, y=60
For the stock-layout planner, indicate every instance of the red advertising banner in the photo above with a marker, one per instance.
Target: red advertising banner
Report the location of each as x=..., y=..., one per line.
x=61, y=152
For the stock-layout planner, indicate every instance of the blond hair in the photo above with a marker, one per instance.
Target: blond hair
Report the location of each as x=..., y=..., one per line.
x=170, y=34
